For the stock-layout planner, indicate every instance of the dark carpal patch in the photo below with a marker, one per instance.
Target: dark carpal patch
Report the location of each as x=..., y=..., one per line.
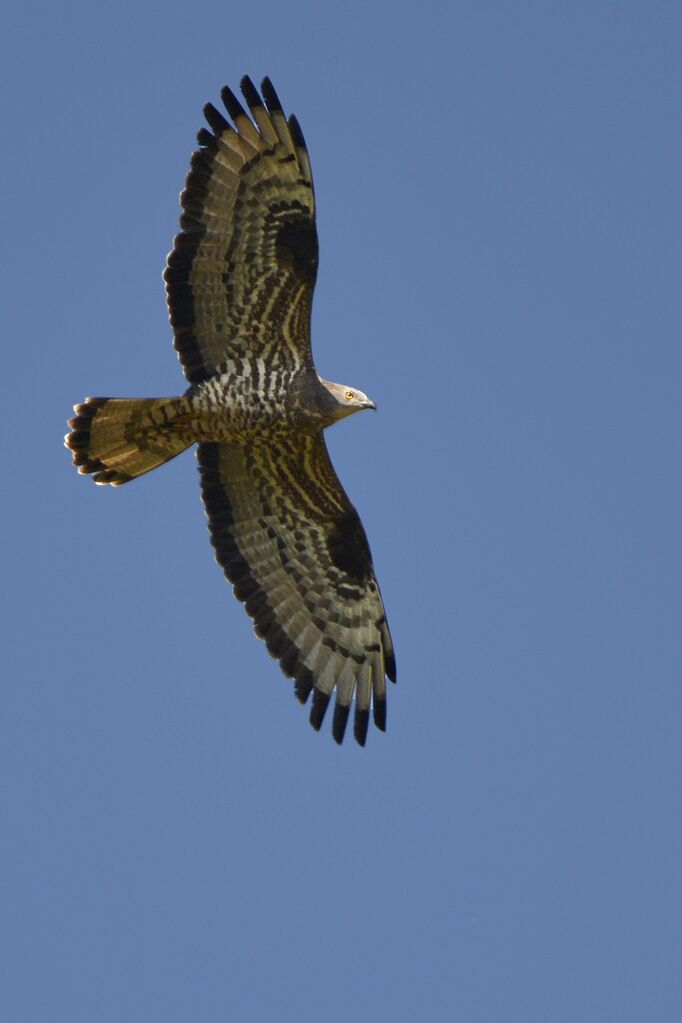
x=297, y=244
x=348, y=548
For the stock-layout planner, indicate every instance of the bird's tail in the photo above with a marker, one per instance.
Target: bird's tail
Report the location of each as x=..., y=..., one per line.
x=118, y=439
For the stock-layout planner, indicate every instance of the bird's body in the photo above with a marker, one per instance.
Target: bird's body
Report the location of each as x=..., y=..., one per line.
x=239, y=281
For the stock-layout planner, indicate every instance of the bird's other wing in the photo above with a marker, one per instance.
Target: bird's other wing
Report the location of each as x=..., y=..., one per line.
x=295, y=551
x=241, y=274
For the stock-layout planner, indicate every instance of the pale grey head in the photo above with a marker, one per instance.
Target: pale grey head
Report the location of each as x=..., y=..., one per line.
x=348, y=399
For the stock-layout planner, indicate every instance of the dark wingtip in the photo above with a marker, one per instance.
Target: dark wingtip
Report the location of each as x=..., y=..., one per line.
x=270, y=96
x=390, y=667
x=304, y=684
x=250, y=92
x=379, y=711
x=319, y=708
x=215, y=119
x=341, y=715
x=361, y=724
x=288, y=659
x=205, y=138
x=232, y=104
x=296, y=132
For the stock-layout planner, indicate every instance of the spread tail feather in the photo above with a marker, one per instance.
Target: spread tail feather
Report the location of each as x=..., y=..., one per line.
x=118, y=439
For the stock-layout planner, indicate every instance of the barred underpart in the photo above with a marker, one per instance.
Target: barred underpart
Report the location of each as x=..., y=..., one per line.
x=239, y=283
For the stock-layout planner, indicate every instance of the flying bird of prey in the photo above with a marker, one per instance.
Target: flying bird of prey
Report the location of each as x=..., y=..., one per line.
x=239, y=284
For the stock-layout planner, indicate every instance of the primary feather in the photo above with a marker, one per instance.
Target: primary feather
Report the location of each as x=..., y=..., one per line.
x=240, y=282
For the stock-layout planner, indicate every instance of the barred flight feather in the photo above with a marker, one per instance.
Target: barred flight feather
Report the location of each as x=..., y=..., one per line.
x=239, y=283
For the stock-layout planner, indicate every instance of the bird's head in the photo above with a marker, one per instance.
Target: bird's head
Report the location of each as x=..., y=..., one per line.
x=348, y=399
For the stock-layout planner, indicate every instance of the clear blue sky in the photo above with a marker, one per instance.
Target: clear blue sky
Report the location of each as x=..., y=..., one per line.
x=499, y=214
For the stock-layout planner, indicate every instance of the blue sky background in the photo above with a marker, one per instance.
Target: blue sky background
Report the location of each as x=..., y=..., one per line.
x=499, y=211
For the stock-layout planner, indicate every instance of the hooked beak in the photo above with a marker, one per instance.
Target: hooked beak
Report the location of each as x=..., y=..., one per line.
x=370, y=404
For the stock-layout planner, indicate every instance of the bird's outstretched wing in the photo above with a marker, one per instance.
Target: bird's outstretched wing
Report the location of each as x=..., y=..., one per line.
x=241, y=275
x=293, y=546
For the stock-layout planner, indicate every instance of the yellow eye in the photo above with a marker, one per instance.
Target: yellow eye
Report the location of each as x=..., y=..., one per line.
x=350, y=395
